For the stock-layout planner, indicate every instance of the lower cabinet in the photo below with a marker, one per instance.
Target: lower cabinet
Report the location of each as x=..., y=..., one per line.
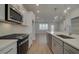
x=66, y=52
x=57, y=48
x=54, y=44
x=11, y=49
x=49, y=41
x=60, y=47
x=70, y=50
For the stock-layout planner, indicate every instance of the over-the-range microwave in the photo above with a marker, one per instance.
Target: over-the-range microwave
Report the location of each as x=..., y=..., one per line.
x=12, y=14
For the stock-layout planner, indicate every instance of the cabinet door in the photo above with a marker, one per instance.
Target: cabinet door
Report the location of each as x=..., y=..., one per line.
x=52, y=44
x=66, y=52
x=75, y=25
x=2, y=12
x=58, y=49
x=70, y=49
x=11, y=49
x=49, y=41
x=25, y=18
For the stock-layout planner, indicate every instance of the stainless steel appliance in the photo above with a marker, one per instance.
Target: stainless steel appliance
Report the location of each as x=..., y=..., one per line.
x=22, y=43
x=12, y=14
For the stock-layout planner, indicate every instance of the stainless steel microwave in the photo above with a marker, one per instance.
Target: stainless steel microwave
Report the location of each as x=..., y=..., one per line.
x=12, y=14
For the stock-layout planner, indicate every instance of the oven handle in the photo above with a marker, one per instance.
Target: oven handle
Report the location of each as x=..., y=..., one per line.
x=23, y=42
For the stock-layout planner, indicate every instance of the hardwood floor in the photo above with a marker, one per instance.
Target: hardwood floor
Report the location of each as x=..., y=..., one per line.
x=39, y=48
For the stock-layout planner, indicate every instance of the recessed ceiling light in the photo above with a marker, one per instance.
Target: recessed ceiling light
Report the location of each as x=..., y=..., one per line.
x=65, y=11
x=55, y=17
x=68, y=8
x=37, y=4
x=38, y=11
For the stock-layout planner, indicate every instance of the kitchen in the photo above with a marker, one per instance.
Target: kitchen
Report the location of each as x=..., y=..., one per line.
x=39, y=28
x=16, y=29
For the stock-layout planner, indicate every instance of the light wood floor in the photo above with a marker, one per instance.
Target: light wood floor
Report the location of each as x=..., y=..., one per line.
x=39, y=48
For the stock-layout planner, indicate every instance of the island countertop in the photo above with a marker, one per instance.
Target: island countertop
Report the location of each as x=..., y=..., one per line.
x=73, y=42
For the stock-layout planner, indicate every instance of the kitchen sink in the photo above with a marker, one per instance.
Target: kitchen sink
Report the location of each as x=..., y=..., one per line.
x=65, y=37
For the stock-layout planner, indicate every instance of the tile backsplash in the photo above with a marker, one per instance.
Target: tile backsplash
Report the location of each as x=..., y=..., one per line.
x=6, y=28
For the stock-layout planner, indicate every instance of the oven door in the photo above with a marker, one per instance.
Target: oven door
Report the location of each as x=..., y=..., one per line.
x=23, y=47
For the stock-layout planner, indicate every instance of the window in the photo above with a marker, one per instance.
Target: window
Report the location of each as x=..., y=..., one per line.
x=43, y=26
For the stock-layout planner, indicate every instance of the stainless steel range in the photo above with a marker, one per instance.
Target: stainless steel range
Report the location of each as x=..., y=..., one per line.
x=22, y=43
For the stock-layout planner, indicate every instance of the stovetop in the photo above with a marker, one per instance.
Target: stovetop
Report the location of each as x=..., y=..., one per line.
x=14, y=36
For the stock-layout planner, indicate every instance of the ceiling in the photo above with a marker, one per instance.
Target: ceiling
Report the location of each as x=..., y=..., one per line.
x=50, y=11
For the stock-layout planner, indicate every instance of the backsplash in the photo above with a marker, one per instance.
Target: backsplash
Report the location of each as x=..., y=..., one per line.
x=6, y=29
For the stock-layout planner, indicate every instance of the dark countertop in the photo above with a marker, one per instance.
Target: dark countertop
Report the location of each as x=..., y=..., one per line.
x=14, y=36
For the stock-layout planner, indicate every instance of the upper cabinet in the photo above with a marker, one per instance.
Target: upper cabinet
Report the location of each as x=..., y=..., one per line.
x=2, y=12
x=25, y=18
x=28, y=18
x=75, y=25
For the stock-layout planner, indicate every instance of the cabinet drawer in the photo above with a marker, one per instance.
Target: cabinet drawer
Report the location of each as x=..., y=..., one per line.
x=11, y=49
x=58, y=40
x=70, y=49
x=58, y=49
x=66, y=52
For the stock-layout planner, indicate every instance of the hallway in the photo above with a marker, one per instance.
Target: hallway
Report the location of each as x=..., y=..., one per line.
x=39, y=47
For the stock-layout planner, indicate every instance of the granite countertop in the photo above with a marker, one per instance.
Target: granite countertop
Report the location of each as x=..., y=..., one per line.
x=73, y=42
x=4, y=43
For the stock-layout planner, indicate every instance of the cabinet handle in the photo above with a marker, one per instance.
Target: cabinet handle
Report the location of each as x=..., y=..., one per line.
x=9, y=51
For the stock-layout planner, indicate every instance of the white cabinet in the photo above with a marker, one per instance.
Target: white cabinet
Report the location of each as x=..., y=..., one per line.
x=10, y=49
x=58, y=49
x=52, y=44
x=61, y=47
x=66, y=52
x=70, y=50
x=2, y=12
x=57, y=46
x=49, y=41
x=26, y=19
x=75, y=25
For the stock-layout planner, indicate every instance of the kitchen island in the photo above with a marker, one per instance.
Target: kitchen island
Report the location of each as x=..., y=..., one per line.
x=64, y=46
